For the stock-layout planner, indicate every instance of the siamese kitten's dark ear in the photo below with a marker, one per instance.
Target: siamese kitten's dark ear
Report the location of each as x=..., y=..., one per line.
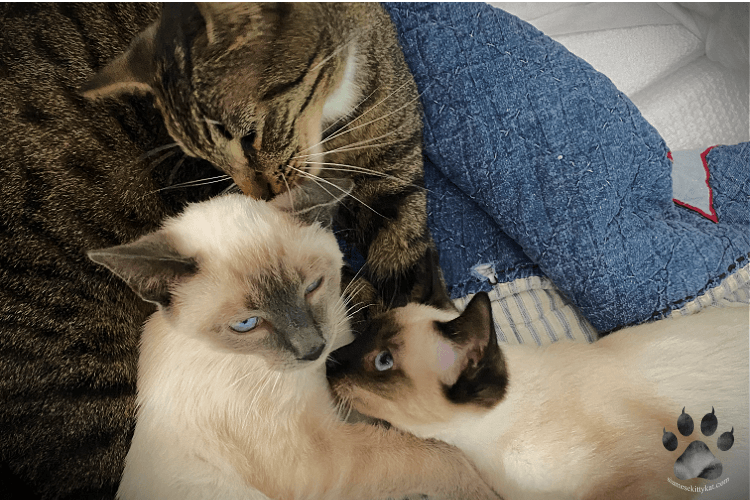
x=474, y=328
x=133, y=71
x=484, y=377
x=434, y=292
x=312, y=202
x=149, y=265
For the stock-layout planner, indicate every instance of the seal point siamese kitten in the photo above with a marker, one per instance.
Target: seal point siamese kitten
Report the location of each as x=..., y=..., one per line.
x=232, y=399
x=569, y=420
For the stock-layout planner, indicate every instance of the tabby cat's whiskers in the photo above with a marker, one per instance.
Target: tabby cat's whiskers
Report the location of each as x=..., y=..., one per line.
x=233, y=188
x=157, y=150
x=329, y=127
x=197, y=182
x=362, y=170
x=333, y=54
x=174, y=171
x=287, y=190
x=352, y=145
x=342, y=130
x=345, y=129
x=315, y=179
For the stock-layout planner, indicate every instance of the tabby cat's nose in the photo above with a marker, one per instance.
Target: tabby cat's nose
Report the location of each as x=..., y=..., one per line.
x=254, y=186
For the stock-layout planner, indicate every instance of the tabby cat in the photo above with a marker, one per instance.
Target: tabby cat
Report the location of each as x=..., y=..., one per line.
x=272, y=94
x=73, y=176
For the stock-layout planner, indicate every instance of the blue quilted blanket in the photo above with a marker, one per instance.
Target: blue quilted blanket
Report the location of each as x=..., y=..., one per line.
x=537, y=165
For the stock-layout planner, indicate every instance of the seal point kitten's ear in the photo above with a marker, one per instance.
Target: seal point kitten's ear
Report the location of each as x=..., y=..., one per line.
x=133, y=71
x=150, y=266
x=484, y=377
x=312, y=202
x=434, y=292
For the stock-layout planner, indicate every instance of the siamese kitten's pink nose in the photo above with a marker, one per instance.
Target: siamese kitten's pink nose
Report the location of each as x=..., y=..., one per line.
x=314, y=353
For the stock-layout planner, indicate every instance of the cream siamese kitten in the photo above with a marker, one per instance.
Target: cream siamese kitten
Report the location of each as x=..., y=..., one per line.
x=233, y=401
x=571, y=420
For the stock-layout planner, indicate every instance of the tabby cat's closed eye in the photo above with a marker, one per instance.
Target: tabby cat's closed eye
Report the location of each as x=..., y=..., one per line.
x=247, y=141
x=223, y=131
x=326, y=88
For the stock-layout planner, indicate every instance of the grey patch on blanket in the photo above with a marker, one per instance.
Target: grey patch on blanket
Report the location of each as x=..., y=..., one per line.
x=485, y=272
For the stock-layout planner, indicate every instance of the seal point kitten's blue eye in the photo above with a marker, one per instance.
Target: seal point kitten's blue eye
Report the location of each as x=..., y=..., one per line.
x=245, y=326
x=314, y=286
x=384, y=361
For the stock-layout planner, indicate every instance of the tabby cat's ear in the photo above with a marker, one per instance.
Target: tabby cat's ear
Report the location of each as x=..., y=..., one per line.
x=133, y=71
x=316, y=201
x=149, y=265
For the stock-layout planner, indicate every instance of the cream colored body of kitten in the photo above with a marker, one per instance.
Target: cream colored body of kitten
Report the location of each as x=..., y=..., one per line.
x=571, y=420
x=233, y=401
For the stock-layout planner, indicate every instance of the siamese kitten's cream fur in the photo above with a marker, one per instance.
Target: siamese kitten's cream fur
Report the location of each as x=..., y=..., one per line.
x=233, y=401
x=571, y=420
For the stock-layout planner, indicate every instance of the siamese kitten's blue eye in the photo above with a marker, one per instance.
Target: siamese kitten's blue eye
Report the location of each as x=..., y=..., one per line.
x=245, y=326
x=383, y=361
x=314, y=286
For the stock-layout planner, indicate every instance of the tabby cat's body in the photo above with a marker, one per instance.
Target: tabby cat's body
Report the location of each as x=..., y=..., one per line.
x=71, y=180
x=275, y=93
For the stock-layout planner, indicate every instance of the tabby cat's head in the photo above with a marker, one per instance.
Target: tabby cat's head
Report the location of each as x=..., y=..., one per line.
x=245, y=276
x=246, y=86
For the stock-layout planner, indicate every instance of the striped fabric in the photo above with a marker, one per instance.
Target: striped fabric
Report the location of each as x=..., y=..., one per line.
x=532, y=311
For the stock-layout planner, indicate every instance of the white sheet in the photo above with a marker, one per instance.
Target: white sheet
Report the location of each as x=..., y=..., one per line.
x=684, y=65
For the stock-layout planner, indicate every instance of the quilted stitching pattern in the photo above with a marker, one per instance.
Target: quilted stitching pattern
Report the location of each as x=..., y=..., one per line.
x=538, y=164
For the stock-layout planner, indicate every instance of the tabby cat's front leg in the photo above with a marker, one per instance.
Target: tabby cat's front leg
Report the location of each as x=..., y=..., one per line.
x=389, y=220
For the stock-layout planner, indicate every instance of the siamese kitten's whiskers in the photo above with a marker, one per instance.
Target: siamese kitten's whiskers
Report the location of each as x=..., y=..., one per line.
x=344, y=409
x=360, y=307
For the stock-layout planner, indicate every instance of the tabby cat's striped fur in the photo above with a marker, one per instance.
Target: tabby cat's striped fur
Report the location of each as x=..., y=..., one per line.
x=72, y=179
x=277, y=93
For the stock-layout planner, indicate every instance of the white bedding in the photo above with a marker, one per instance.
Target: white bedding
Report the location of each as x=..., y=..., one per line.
x=684, y=65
